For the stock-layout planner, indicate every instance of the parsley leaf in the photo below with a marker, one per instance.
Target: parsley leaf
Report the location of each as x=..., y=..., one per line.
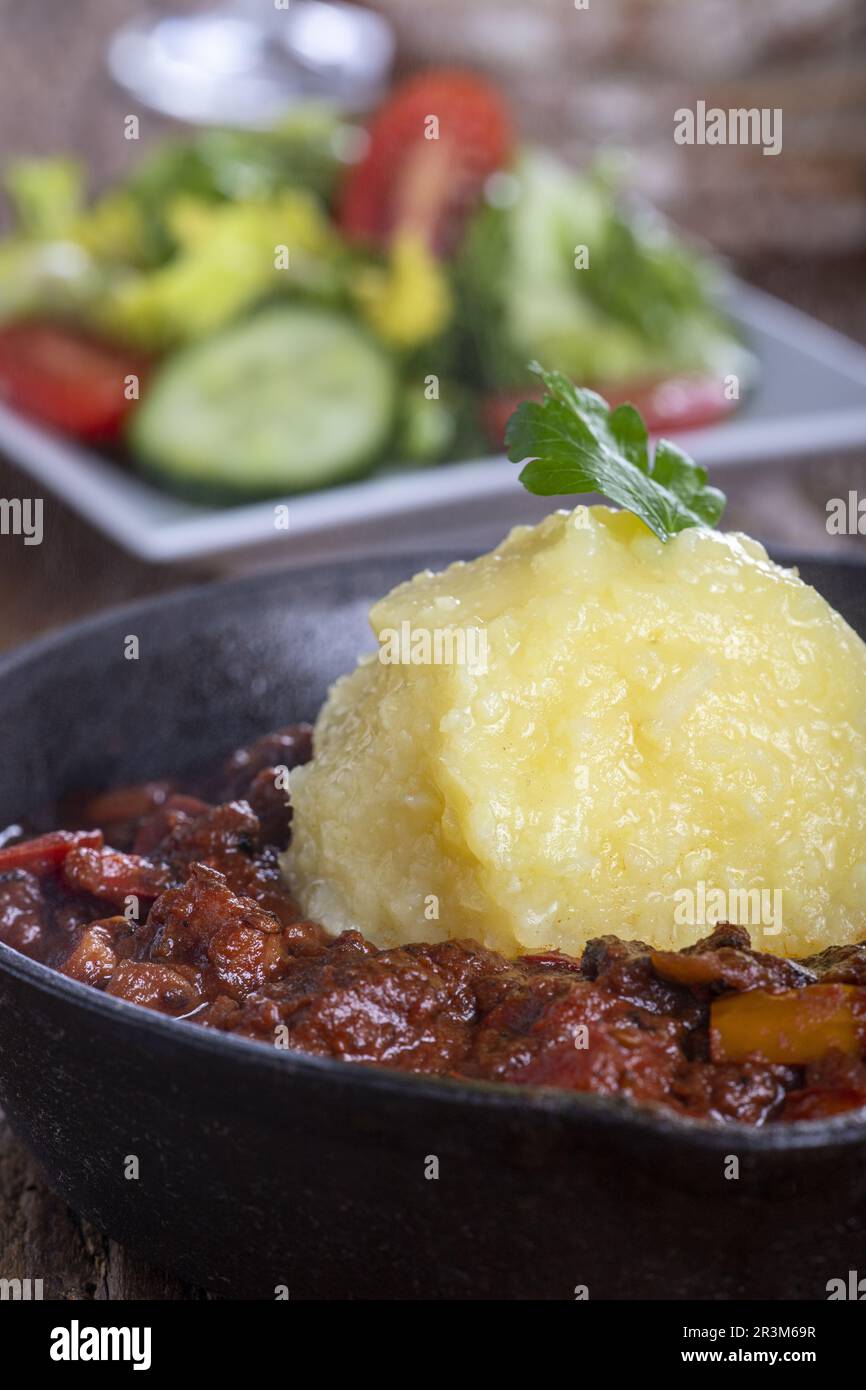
x=574, y=442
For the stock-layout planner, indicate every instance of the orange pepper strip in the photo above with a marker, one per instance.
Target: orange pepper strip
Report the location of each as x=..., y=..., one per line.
x=685, y=970
x=792, y=1027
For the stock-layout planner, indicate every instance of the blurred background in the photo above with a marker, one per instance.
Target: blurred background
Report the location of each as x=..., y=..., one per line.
x=604, y=79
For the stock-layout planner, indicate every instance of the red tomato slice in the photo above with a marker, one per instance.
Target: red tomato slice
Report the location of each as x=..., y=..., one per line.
x=66, y=379
x=677, y=403
x=408, y=181
x=668, y=406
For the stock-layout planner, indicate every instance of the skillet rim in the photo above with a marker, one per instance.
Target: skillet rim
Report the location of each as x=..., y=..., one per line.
x=606, y=1112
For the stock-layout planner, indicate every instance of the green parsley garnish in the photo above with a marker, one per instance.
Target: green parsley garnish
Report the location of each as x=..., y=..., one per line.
x=574, y=442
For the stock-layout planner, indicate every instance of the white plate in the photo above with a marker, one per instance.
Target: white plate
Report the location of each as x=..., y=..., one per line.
x=811, y=397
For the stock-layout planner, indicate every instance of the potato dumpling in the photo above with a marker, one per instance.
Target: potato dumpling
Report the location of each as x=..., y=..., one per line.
x=653, y=729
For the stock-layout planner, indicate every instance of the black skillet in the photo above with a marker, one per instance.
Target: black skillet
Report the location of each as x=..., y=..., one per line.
x=259, y=1168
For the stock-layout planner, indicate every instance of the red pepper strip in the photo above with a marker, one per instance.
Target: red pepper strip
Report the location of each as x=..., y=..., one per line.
x=107, y=874
x=47, y=852
x=124, y=803
x=554, y=960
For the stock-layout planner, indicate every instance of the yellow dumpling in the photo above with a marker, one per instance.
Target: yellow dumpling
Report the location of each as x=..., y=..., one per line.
x=590, y=731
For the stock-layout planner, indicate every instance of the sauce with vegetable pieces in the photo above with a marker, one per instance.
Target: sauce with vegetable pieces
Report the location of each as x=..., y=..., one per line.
x=172, y=898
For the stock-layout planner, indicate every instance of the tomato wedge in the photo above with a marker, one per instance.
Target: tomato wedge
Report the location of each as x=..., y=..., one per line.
x=669, y=405
x=432, y=145
x=66, y=379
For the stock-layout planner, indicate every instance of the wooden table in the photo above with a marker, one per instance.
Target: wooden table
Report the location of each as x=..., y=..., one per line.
x=76, y=571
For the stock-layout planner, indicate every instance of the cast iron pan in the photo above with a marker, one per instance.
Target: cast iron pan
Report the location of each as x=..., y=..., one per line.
x=259, y=1168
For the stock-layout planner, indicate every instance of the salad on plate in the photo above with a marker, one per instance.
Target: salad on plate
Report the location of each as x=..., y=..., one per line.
x=250, y=314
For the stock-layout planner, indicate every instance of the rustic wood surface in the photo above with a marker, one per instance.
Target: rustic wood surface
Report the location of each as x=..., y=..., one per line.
x=76, y=571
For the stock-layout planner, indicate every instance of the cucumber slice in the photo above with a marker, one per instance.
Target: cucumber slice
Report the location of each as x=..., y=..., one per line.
x=293, y=398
